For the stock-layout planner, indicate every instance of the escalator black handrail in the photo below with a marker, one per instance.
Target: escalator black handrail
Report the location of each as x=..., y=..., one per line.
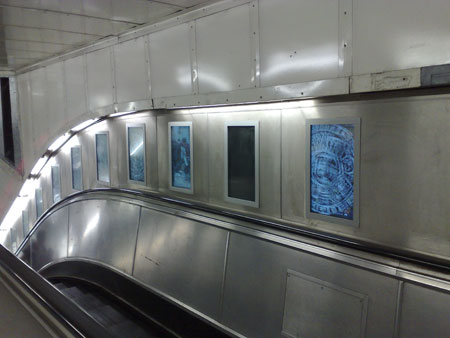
x=422, y=260
x=63, y=309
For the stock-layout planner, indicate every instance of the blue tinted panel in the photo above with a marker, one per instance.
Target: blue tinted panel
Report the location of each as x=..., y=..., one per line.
x=332, y=176
x=56, y=184
x=136, y=151
x=101, y=144
x=181, y=156
x=39, y=202
x=75, y=154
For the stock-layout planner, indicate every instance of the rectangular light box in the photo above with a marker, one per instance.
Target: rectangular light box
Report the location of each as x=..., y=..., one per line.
x=56, y=183
x=332, y=170
x=136, y=153
x=102, y=156
x=242, y=163
x=181, y=154
x=39, y=202
x=77, y=169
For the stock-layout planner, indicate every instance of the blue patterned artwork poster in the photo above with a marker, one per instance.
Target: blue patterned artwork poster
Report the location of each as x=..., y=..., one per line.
x=136, y=153
x=332, y=170
x=181, y=156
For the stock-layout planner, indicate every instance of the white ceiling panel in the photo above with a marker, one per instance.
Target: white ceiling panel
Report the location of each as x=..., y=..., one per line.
x=61, y=25
x=98, y=8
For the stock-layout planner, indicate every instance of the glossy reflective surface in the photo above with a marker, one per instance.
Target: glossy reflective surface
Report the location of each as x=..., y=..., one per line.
x=77, y=176
x=39, y=202
x=56, y=184
x=180, y=143
x=102, y=156
x=136, y=153
x=241, y=162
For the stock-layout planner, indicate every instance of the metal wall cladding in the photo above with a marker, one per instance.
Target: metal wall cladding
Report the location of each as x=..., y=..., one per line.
x=404, y=160
x=170, y=62
x=425, y=312
x=100, y=78
x=299, y=41
x=49, y=242
x=56, y=101
x=224, y=51
x=39, y=110
x=132, y=70
x=182, y=258
x=75, y=87
x=88, y=159
x=105, y=231
x=293, y=165
x=387, y=37
x=257, y=272
x=200, y=153
x=269, y=159
x=26, y=127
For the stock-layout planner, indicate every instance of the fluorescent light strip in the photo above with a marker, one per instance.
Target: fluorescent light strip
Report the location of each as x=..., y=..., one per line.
x=59, y=142
x=39, y=165
x=83, y=125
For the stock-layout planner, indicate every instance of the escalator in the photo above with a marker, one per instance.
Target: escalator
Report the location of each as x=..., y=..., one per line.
x=117, y=318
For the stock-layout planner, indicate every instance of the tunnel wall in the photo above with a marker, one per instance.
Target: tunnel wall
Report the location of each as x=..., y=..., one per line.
x=235, y=52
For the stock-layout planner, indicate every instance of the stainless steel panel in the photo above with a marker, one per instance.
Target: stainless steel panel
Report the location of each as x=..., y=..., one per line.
x=316, y=308
x=49, y=242
x=25, y=253
x=256, y=272
x=424, y=312
x=406, y=42
x=170, y=65
x=99, y=78
x=26, y=129
x=105, y=231
x=86, y=140
x=75, y=87
x=270, y=159
x=39, y=111
x=404, y=162
x=299, y=41
x=293, y=165
x=182, y=258
x=200, y=168
x=224, y=55
x=131, y=65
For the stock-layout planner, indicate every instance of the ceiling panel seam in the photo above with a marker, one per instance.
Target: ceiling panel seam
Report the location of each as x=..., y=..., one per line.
x=68, y=13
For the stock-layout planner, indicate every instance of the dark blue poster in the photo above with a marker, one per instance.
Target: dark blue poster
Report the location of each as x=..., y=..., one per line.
x=181, y=156
x=332, y=169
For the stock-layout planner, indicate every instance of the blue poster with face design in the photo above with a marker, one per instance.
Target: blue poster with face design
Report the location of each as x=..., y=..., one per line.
x=332, y=170
x=181, y=156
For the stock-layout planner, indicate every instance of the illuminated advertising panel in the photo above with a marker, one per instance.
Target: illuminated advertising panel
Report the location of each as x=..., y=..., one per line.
x=333, y=170
x=181, y=156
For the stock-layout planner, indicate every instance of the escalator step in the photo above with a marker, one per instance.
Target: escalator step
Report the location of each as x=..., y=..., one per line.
x=74, y=292
x=107, y=316
x=89, y=302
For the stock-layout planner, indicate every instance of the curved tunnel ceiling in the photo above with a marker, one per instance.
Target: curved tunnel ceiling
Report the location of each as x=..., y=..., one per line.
x=33, y=30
